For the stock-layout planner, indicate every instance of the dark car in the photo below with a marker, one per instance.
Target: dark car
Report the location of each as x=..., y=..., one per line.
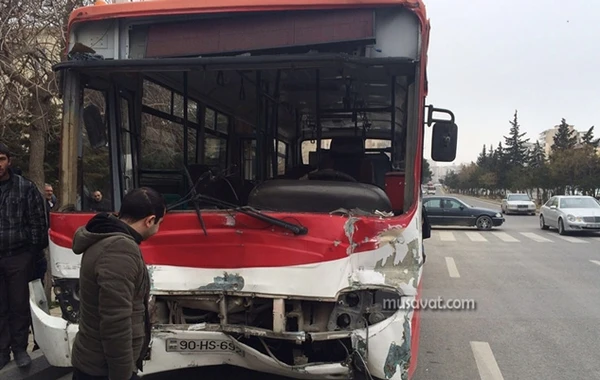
x=451, y=211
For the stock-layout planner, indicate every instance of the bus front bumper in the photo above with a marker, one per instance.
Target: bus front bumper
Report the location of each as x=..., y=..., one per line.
x=385, y=352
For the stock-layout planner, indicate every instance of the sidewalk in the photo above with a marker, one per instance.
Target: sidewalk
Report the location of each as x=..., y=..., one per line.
x=39, y=369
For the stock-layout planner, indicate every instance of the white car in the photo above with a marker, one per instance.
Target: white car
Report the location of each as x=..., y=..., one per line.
x=571, y=213
x=518, y=204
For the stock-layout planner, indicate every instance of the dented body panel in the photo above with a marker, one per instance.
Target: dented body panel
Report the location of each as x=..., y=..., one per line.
x=387, y=257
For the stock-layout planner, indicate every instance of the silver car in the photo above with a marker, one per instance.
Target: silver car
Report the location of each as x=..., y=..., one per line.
x=518, y=204
x=571, y=213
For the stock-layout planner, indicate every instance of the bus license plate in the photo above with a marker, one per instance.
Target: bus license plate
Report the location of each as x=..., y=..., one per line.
x=200, y=345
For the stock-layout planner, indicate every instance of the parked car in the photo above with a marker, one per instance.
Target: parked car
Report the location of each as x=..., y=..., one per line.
x=518, y=204
x=451, y=211
x=569, y=213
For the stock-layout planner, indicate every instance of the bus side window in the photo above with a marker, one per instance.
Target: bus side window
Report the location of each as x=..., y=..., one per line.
x=96, y=157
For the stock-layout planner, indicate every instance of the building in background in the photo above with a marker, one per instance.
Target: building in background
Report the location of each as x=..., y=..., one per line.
x=547, y=137
x=439, y=171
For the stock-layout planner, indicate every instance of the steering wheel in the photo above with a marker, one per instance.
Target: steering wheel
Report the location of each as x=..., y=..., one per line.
x=331, y=175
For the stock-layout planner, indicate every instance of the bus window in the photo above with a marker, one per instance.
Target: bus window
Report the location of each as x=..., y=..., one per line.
x=96, y=159
x=162, y=143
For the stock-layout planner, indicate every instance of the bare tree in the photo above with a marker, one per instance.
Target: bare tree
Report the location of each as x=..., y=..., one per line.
x=31, y=40
x=32, y=37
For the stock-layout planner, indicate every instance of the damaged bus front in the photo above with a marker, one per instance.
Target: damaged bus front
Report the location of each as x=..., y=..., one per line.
x=287, y=139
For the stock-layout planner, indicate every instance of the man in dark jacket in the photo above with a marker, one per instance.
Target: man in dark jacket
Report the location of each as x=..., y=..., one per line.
x=23, y=234
x=114, y=322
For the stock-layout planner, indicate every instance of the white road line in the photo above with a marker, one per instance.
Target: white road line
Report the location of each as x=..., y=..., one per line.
x=505, y=237
x=475, y=236
x=536, y=237
x=452, y=269
x=486, y=363
x=595, y=262
x=571, y=239
x=447, y=236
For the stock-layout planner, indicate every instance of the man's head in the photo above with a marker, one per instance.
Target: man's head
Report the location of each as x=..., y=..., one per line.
x=4, y=162
x=143, y=209
x=97, y=196
x=48, y=191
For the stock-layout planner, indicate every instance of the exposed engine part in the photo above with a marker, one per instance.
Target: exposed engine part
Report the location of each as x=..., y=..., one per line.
x=353, y=310
x=359, y=309
x=294, y=332
x=279, y=315
x=67, y=295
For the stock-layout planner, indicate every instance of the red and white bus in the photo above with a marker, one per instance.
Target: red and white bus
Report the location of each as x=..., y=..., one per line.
x=287, y=137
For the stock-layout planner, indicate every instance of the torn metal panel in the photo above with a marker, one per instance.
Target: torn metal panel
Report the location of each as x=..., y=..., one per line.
x=398, y=357
x=403, y=270
x=225, y=282
x=349, y=228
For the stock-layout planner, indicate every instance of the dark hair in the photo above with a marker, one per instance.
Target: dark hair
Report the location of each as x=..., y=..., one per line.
x=141, y=203
x=4, y=150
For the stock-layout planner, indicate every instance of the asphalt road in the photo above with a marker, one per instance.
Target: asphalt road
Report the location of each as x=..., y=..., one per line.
x=537, y=311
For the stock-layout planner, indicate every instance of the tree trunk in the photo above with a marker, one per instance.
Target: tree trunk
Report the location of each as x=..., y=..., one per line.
x=37, y=141
x=37, y=149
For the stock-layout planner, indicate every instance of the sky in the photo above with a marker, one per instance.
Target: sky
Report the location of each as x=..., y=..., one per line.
x=488, y=58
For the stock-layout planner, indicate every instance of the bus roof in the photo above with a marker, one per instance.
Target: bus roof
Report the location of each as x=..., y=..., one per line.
x=102, y=11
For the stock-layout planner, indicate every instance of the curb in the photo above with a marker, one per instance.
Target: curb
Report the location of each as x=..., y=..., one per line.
x=39, y=369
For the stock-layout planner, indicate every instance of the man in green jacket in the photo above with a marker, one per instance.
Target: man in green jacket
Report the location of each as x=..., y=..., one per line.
x=114, y=322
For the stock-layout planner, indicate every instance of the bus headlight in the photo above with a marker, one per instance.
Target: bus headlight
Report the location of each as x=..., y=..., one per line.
x=361, y=308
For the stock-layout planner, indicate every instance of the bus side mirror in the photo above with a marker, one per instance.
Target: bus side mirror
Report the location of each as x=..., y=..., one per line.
x=444, y=141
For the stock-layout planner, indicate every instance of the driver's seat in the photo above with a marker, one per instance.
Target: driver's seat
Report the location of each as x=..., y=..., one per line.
x=347, y=155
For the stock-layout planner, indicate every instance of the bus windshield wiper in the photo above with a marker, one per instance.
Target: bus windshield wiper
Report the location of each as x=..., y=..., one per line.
x=194, y=197
x=295, y=228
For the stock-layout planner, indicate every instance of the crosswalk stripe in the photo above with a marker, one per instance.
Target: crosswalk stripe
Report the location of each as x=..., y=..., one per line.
x=447, y=236
x=505, y=237
x=536, y=237
x=475, y=236
x=571, y=239
x=595, y=262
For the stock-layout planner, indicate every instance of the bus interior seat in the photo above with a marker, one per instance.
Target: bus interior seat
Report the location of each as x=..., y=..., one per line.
x=312, y=158
x=381, y=164
x=347, y=155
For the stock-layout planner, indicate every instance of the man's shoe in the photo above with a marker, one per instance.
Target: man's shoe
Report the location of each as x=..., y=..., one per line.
x=4, y=360
x=22, y=359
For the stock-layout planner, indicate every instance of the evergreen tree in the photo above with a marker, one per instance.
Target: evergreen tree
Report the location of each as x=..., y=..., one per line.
x=482, y=159
x=426, y=173
x=537, y=159
x=515, y=150
x=565, y=138
x=588, y=138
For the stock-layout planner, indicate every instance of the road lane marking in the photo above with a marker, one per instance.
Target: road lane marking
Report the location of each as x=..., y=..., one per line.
x=447, y=236
x=486, y=362
x=536, y=237
x=595, y=262
x=475, y=236
x=505, y=237
x=452, y=269
x=571, y=239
